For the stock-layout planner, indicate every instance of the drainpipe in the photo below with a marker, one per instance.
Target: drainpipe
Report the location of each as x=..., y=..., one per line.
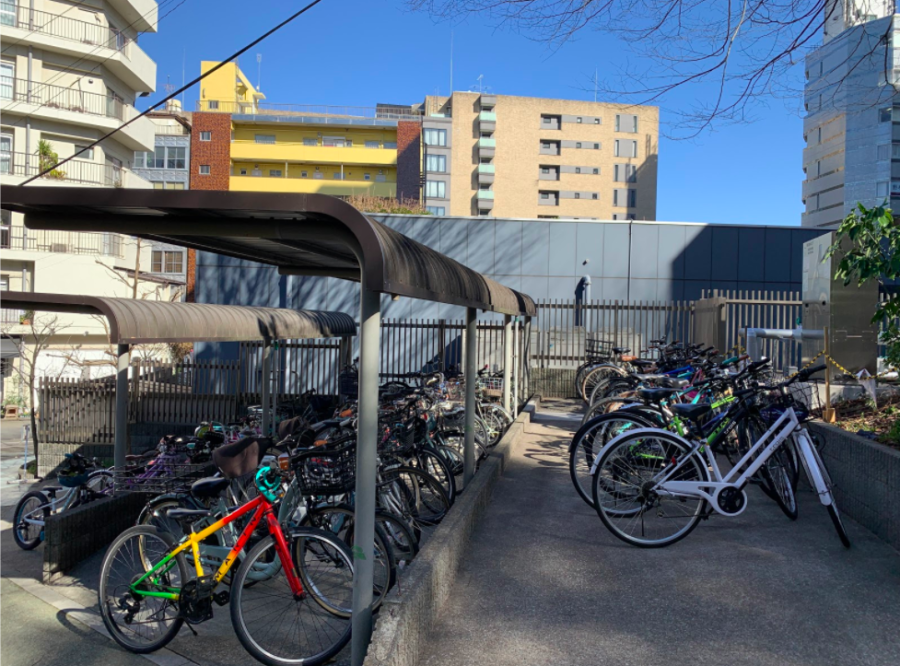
x=585, y=301
x=628, y=286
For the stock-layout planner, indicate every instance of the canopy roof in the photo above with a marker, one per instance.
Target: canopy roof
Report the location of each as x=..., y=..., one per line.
x=134, y=321
x=302, y=234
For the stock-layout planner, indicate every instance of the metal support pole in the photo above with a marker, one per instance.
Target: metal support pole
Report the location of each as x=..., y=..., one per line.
x=507, y=361
x=266, y=380
x=515, y=390
x=526, y=361
x=828, y=412
x=471, y=374
x=366, y=469
x=121, y=444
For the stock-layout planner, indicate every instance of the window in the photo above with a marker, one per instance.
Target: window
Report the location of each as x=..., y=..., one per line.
x=174, y=186
x=158, y=184
x=436, y=210
x=546, y=120
x=204, y=170
x=578, y=144
x=625, y=173
x=596, y=146
x=578, y=120
x=545, y=195
x=436, y=163
x=6, y=153
x=372, y=144
x=165, y=261
x=577, y=169
x=213, y=104
x=7, y=77
x=578, y=195
x=206, y=136
x=318, y=175
x=436, y=189
x=264, y=138
x=86, y=155
x=243, y=172
x=390, y=144
x=632, y=198
x=140, y=159
x=5, y=225
x=889, y=114
x=159, y=158
x=626, y=123
x=435, y=137
x=335, y=142
x=881, y=189
x=337, y=175
x=594, y=196
x=596, y=121
x=8, y=12
x=310, y=142
x=367, y=176
x=625, y=148
x=304, y=174
x=625, y=198
x=275, y=173
x=175, y=158
x=545, y=169
x=596, y=171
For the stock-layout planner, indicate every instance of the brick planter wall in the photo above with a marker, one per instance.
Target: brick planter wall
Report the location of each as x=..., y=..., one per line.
x=74, y=535
x=409, y=158
x=866, y=477
x=552, y=382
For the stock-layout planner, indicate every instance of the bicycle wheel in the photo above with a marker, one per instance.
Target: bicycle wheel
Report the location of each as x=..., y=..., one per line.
x=423, y=500
x=589, y=441
x=833, y=512
x=625, y=489
x=339, y=521
x=434, y=464
x=28, y=535
x=776, y=472
x=280, y=629
x=598, y=377
x=100, y=482
x=399, y=536
x=136, y=622
x=607, y=406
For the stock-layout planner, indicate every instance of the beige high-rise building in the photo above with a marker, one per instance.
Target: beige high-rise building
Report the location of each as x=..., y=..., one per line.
x=506, y=156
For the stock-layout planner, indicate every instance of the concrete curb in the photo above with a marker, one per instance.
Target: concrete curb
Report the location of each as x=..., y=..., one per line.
x=410, y=609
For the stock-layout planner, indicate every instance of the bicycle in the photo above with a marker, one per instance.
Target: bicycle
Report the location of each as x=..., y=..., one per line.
x=651, y=487
x=81, y=486
x=146, y=594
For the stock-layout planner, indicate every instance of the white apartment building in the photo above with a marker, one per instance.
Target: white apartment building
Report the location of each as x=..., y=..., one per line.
x=69, y=73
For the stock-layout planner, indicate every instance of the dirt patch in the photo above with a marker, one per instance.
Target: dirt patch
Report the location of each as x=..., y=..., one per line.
x=860, y=417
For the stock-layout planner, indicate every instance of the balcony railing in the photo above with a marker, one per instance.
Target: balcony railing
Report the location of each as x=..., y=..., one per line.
x=8, y=317
x=73, y=171
x=56, y=25
x=62, y=242
x=58, y=97
x=487, y=143
x=486, y=168
x=334, y=114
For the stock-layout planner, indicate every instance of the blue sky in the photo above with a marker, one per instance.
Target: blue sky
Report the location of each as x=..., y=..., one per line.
x=360, y=53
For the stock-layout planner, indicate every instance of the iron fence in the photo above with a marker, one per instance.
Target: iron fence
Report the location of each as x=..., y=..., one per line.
x=65, y=242
x=64, y=27
x=59, y=97
x=76, y=171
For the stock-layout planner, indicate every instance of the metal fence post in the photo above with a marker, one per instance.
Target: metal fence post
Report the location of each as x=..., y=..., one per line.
x=471, y=375
x=366, y=470
x=515, y=383
x=121, y=440
x=507, y=361
x=266, y=381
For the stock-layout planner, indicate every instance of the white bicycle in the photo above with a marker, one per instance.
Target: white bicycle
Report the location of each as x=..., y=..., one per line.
x=651, y=487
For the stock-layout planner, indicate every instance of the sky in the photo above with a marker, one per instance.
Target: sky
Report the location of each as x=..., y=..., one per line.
x=360, y=53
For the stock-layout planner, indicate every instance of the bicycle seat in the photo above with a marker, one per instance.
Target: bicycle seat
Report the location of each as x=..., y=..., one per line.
x=621, y=350
x=642, y=362
x=51, y=489
x=655, y=394
x=209, y=487
x=141, y=456
x=241, y=457
x=691, y=412
x=672, y=382
x=187, y=514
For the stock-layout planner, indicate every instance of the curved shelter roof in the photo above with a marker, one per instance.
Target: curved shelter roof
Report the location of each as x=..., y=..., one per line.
x=302, y=234
x=134, y=321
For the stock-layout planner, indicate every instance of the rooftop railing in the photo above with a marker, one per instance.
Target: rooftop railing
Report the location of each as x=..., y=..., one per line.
x=318, y=110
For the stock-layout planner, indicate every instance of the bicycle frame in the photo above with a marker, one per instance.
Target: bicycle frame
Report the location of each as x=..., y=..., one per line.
x=261, y=507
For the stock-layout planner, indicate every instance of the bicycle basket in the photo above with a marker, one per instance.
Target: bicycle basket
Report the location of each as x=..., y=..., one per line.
x=72, y=479
x=323, y=471
x=349, y=383
x=594, y=347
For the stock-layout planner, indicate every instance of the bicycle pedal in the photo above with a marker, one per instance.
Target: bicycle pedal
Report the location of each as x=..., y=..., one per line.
x=221, y=598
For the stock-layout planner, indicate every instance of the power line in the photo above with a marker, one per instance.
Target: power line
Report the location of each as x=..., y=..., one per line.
x=175, y=94
x=70, y=69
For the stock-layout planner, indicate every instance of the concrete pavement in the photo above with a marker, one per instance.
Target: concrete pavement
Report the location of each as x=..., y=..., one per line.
x=12, y=452
x=545, y=583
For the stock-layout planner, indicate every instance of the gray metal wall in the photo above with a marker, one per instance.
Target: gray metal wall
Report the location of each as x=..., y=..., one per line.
x=545, y=259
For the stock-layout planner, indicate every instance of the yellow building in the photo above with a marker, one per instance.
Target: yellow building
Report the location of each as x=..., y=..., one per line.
x=292, y=148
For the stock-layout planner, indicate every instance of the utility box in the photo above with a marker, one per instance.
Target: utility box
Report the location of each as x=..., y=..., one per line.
x=846, y=310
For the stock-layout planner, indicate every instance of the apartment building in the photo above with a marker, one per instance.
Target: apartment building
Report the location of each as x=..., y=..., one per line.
x=241, y=142
x=852, y=122
x=530, y=157
x=69, y=73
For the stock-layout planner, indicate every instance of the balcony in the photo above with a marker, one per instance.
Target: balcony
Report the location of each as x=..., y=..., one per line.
x=74, y=172
x=293, y=185
x=484, y=194
x=11, y=317
x=97, y=42
x=61, y=242
x=485, y=174
x=313, y=114
x=484, y=199
x=84, y=108
x=142, y=15
x=250, y=151
x=488, y=101
x=487, y=143
x=487, y=121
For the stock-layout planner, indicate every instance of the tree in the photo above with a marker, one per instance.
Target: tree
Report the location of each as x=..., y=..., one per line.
x=736, y=55
x=42, y=329
x=874, y=255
